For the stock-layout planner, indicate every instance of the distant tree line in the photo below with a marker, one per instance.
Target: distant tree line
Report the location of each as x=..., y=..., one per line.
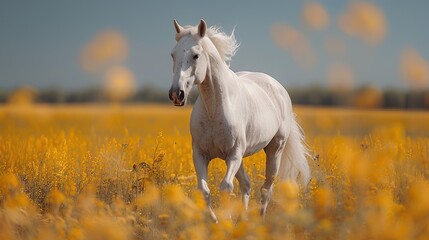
x=362, y=97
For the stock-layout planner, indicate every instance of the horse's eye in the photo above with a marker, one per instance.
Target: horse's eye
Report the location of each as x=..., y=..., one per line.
x=196, y=56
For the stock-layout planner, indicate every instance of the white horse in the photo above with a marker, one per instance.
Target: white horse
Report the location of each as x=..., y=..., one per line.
x=236, y=114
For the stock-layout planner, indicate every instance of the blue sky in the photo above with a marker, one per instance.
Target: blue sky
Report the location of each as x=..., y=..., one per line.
x=41, y=41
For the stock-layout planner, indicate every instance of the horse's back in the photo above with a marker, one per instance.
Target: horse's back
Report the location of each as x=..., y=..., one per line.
x=275, y=91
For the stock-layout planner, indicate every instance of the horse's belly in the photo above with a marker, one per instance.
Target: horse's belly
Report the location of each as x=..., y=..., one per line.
x=255, y=148
x=258, y=138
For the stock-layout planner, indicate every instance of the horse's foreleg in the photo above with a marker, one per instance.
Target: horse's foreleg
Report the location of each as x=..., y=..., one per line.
x=244, y=181
x=201, y=166
x=233, y=164
x=273, y=151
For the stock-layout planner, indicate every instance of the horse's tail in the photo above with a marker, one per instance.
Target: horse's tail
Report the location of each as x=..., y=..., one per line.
x=294, y=162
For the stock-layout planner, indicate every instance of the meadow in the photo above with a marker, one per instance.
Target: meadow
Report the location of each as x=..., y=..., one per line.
x=126, y=172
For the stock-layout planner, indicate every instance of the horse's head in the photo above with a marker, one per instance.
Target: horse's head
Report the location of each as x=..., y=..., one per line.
x=189, y=61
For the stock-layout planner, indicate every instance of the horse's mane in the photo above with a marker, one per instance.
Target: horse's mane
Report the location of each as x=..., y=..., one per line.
x=225, y=44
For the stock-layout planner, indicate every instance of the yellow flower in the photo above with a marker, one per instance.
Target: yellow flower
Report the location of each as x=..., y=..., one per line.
x=75, y=233
x=418, y=199
x=56, y=197
x=287, y=193
x=324, y=226
x=261, y=176
x=240, y=230
x=70, y=188
x=104, y=228
x=288, y=190
x=19, y=201
x=149, y=197
x=174, y=194
x=324, y=199
x=199, y=200
x=8, y=182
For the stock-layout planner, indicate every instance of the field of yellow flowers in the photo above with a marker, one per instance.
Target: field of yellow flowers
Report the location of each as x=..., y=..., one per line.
x=125, y=172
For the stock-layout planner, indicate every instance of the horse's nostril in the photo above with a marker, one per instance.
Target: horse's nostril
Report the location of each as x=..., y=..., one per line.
x=181, y=95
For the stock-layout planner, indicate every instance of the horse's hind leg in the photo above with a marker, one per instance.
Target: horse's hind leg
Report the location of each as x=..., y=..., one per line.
x=273, y=151
x=244, y=181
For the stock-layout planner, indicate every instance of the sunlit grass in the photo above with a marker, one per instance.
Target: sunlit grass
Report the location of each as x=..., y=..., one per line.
x=113, y=172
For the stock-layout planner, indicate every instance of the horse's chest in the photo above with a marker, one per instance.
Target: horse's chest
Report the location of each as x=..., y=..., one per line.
x=215, y=137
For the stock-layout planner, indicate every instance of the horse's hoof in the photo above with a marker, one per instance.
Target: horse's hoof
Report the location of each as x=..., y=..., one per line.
x=213, y=217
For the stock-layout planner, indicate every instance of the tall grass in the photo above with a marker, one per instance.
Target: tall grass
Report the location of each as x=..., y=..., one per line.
x=103, y=172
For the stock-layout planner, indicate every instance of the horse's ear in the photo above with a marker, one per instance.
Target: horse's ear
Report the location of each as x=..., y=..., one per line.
x=177, y=26
x=202, y=27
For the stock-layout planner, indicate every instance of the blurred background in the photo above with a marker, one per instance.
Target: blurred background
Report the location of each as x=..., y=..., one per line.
x=364, y=54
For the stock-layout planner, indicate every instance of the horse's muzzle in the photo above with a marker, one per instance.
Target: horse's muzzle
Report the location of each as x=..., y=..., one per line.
x=177, y=97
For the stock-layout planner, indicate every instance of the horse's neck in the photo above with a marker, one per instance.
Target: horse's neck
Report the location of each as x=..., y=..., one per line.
x=217, y=88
